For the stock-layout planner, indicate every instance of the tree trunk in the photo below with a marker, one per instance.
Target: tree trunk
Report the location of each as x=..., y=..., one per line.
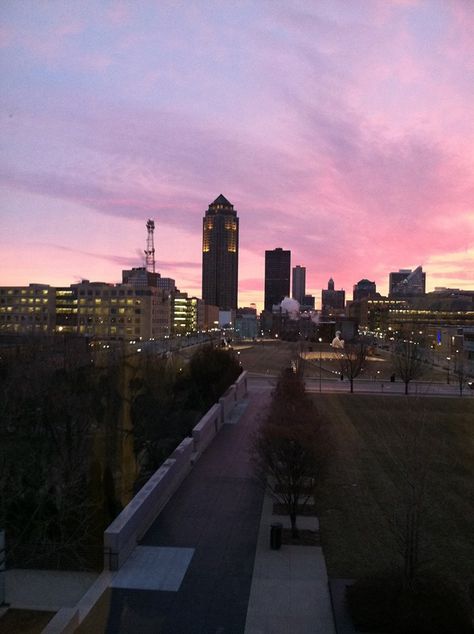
x=294, y=528
x=406, y=387
x=352, y=385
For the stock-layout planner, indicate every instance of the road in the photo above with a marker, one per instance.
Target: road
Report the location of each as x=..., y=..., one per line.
x=361, y=386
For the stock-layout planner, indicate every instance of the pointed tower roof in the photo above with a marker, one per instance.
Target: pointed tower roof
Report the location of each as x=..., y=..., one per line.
x=222, y=200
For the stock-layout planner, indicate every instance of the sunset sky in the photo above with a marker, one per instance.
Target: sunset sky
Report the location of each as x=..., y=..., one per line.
x=343, y=131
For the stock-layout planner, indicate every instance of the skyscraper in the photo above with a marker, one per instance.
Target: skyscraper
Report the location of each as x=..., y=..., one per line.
x=220, y=253
x=332, y=300
x=364, y=288
x=407, y=283
x=277, y=276
x=298, y=283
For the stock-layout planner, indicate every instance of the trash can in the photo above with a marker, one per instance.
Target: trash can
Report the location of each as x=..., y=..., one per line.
x=276, y=532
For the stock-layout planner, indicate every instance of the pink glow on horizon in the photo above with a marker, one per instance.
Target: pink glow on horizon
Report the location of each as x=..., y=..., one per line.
x=342, y=132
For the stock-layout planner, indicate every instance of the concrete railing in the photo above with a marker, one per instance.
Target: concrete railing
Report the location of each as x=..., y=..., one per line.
x=121, y=537
x=65, y=621
x=206, y=429
x=241, y=390
x=227, y=403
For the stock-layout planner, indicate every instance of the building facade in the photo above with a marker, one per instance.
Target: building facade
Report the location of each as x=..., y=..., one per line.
x=298, y=283
x=92, y=309
x=364, y=288
x=220, y=254
x=332, y=301
x=277, y=276
x=187, y=314
x=407, y=283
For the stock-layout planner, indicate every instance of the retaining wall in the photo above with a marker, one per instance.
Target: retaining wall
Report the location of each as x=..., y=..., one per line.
x=227, y=403
x=206, y=429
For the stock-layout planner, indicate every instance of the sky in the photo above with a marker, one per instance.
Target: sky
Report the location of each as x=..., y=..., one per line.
x=341, y=130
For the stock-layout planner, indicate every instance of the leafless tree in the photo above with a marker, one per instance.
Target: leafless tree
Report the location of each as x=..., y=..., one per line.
x=407, y=360
x=460, y=370
x=352, y=359
x=287, y=449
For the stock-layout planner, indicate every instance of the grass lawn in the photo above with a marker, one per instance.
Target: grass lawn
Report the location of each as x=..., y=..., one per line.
x=362, y=503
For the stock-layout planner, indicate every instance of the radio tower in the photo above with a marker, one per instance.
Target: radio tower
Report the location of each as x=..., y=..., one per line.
x=150, y=247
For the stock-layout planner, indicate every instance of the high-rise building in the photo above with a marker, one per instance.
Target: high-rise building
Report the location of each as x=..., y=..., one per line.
x=298, y=284
x=333, y=301
x=277, y=276
x=364, y=288
x=220, y=254
x=407, y=283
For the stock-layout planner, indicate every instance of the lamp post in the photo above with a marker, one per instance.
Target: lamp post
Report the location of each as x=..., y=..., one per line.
x=320, y=341
x=448, y=359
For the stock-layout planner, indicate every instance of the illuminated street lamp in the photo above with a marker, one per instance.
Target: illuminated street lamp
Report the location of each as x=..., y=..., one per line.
x=448, y=359
x=320, y=341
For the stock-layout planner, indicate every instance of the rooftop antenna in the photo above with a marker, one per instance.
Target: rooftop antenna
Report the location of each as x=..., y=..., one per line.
x=150, y=247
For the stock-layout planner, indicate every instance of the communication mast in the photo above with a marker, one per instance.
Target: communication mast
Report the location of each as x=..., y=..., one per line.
x=150, y=247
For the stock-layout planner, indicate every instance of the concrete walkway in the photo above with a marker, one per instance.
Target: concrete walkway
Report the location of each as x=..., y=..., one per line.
x=289, y=592
x=46, y=590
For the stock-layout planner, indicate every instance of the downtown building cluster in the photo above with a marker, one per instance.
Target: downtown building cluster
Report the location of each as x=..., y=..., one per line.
x=146, y=305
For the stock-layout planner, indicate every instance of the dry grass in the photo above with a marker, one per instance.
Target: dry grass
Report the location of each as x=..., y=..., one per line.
x=362, y=501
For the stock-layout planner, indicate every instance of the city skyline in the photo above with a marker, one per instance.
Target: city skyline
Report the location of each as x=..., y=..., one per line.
x=340, y=132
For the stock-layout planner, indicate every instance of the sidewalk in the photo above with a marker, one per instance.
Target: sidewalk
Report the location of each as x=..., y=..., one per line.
x=46, y=590
x=289, y=592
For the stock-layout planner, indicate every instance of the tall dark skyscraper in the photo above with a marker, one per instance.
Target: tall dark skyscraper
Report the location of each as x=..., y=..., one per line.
x=277, y=276
x=298, y=283
x=220, y=254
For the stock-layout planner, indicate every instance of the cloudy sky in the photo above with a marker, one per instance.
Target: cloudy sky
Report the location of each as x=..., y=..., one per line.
x=341, y=130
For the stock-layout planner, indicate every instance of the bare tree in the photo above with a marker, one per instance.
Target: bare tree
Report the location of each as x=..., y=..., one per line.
x=408, y=360
x=287, y=449
x=352, y=359
x=460, y=370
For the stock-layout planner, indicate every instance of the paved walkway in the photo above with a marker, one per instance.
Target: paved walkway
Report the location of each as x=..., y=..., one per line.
x=48, y=590
x=192, y=571
x=290, y=592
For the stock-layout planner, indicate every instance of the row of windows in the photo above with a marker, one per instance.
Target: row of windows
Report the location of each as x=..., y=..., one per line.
x=25, y=300
x=18, y=318
x=23, y=291
x=23, y=309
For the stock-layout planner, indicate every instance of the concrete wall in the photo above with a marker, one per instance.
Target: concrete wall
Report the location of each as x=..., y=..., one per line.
x=206, y=429
x=227, y=403
x=241, y=387
x=121, y=537
x=63, y=622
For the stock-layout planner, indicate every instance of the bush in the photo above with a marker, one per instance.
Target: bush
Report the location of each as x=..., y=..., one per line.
x=431, y=606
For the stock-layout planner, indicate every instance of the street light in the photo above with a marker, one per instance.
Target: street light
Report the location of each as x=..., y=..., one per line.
x=448, y=359
x=320, y=341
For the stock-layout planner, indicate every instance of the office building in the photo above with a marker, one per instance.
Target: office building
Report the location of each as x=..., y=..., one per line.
x=277, y=276
x=91, y=309
x=298, y=283
x=220, y=253
x=364, y=288
x=407, y=283
x=308, y=302
x=188, y=314
x=333, y=302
